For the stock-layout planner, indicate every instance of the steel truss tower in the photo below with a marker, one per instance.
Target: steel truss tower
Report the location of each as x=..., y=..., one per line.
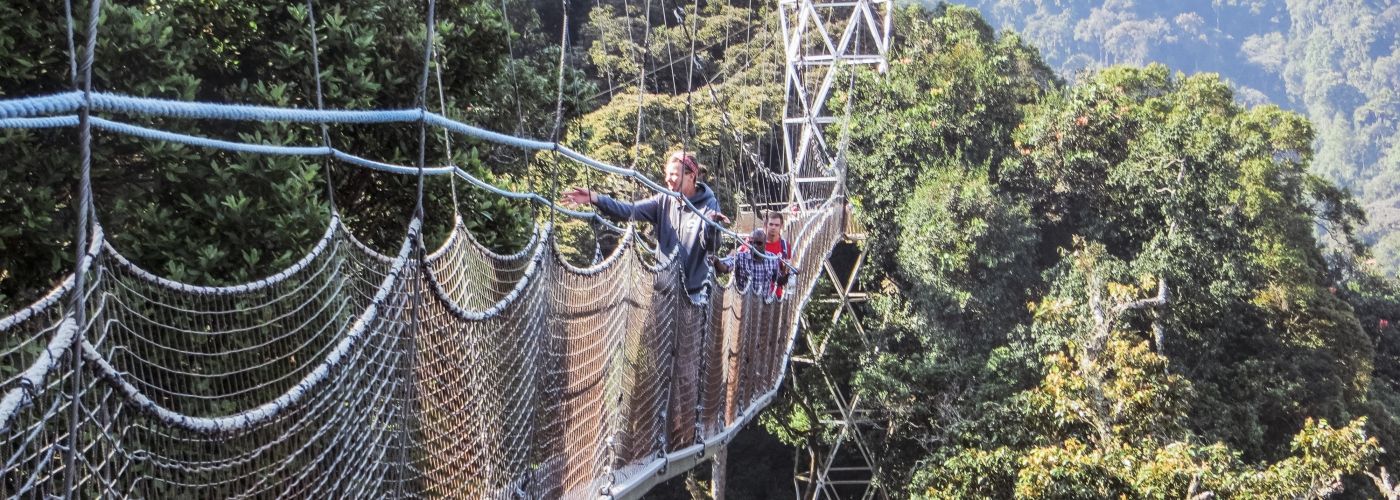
x=848, y=467
x=824, y=43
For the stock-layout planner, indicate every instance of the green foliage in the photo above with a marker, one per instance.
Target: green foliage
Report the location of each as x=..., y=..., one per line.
x=1020, y=232
x=965, y=249
x=907, y=122
x=213, y=217
x=1114, y=422
x=1335, y=62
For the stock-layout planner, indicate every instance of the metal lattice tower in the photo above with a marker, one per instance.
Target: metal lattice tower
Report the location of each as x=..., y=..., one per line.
x=850, y=464
x=824, y=41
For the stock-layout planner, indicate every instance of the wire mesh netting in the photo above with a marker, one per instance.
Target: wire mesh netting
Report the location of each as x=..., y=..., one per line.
x=456, y=373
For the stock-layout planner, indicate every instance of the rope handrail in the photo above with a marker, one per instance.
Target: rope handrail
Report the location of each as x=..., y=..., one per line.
x=27, y=107
x=271, y=409
x=19, y=107
x=267, y=149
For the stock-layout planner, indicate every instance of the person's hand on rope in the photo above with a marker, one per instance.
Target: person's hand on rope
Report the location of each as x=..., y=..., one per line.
x=719, y=264
x=719, y=218
x=578, y=196
x=746, y=245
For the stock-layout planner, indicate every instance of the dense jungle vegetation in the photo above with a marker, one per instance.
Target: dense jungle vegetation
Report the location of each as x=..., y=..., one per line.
x=1139, y=280
x=1108, y=288
x=1335, y=62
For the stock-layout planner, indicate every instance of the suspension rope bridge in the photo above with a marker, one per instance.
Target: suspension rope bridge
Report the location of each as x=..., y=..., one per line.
x=448, y=372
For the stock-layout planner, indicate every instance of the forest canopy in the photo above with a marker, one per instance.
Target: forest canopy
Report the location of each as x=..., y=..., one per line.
x=1335, y=62
x=1138, y=280
x=1112, y=287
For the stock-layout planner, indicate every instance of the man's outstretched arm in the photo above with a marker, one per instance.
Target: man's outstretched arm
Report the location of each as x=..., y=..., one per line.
x=644, y=210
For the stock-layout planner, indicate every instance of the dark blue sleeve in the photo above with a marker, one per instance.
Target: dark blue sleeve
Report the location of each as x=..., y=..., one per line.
x=711, y=237
x=644, y=210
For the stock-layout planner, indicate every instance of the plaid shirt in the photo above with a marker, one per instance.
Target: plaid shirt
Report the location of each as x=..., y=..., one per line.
x=753, y=273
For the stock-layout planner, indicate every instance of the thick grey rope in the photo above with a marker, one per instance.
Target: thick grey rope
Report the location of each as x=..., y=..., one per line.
x=84, y=212
x=446, y=136
x=408, y=341
x=559, y=99
x=423, y=104
x=515, y=95
x=320, y=101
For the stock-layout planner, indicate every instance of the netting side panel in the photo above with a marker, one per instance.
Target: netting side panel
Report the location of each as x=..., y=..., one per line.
x=289, y=387
x=751, y=354
x=215, y=352
x=765, y=326
x=475, y=277
x=37, y=383
x=547, y=474
x=646, y=354
x=341, y=440
x=710, y=373
x=816, y=239
x=482, y=394
x=593, y=308
x=732, y=352
x=687, y=349
x=35, y=400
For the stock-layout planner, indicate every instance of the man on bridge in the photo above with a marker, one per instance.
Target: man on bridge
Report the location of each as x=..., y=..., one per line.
x=678, y=228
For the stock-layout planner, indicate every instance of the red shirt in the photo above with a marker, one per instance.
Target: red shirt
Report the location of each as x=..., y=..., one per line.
x=778, y=248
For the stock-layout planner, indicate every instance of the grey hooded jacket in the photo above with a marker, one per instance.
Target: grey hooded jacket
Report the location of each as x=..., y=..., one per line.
x=676, y=225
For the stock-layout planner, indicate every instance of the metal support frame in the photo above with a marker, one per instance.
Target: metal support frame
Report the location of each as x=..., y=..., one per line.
x=828, y=472
x=814, y=60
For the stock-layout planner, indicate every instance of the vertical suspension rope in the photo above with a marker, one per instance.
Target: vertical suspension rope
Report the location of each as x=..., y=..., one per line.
x=559, y=100
x=72, y=51
x=662, y=415
x=670, y=54
x=519, y=109
x=662, y=437
x=532, y=443
x=641, y=77
x=708, y=311
x=690, y=74
x=688, y=135
x=85, y=218
x=682, y=294
x=423, y=104
x=320, y=104
x=559, y=83
x=446, y=135
x=409, y=341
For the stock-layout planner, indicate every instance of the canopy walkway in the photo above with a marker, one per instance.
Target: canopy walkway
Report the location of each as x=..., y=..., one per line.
x=458, y=373
x=449, y=372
